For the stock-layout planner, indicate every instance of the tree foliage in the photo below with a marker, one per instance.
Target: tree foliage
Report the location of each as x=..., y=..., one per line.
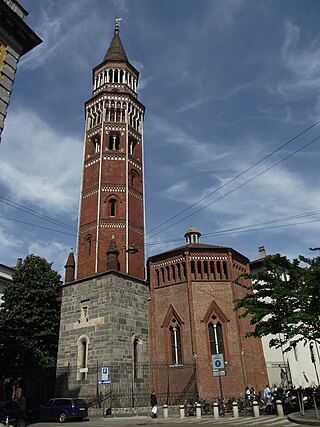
x=283, y=300
x=29, y=315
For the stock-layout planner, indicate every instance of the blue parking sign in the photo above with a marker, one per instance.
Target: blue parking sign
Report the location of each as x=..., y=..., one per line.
x=218, y=361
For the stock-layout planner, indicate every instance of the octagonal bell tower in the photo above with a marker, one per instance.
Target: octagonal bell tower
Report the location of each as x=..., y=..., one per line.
x=112, y=195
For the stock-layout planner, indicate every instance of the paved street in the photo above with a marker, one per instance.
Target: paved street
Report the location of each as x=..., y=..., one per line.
x=263, y=421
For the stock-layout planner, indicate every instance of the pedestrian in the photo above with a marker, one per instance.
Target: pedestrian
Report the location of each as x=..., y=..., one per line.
x=247, y=393
x=252, y=394
x=154, y=405
x=267, y=394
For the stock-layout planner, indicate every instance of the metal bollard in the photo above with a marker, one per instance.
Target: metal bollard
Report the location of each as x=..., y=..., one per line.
x=256, y=411
x=181, y=409
x=235, y=409
x=165, y=411
x=198, y=410
x=279, y=408
x=216, y=410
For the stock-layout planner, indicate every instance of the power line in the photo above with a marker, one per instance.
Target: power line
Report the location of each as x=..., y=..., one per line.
x=233, y=179
x=236, y=230
x=32, y=212
x=239, y=186
x=248, y=228
x=37, y=225
x=54, y=221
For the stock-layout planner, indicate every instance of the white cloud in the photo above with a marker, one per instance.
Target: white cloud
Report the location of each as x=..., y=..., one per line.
x=51, y=250
x=39, y=165
x=302, y=63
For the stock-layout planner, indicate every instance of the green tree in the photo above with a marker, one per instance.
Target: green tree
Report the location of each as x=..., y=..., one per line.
x=283, y=300
x=29, y=316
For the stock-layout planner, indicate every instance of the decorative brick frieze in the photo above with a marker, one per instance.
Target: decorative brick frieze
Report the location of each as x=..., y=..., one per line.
x=135, y=194
x=135, y=163
x=114, y=157
x=90, y=192
x=135, y=228
x=89, y=163
x=105, y=223
x=208, y=257
x=87, y=227
x=113, y=188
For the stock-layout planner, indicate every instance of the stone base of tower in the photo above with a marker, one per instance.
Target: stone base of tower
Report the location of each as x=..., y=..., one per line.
x=103, y=353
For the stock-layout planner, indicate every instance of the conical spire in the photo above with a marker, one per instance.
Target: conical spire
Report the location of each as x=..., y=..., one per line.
x=116, y=50
x=70, y=268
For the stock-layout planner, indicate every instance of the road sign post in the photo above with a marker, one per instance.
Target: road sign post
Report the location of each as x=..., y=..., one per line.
x=218, y=370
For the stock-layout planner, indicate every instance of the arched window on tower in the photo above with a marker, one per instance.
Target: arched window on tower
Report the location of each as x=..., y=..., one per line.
x=135, y=180
x=88, y=245
x=215, y=336
x=82, y=361
x=175, y=342
x=112, y=207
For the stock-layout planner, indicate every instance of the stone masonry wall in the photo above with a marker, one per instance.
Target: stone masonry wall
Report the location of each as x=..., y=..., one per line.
x=116, y=308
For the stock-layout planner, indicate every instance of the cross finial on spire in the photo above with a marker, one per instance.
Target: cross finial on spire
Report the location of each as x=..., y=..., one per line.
x=116, y=28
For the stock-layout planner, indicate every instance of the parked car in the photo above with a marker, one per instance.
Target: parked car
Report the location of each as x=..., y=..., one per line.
x=60, y=409
x=12, y=413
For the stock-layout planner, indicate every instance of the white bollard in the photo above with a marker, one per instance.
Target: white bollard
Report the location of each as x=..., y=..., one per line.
x=165, y=411
x=235, y=409
x=181, y=409
x=198, y=410
x=216, y=410
x=279, y=408
x=256, y=411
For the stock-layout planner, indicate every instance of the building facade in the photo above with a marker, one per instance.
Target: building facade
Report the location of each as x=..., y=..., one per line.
x=16, y=39
x=298, y=367
x=112, y=200
x=193, y=323
x=6, y=273
x=104, y=336
x=121, y=335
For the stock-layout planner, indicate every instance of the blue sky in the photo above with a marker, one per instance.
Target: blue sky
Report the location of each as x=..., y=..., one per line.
x=225, y=83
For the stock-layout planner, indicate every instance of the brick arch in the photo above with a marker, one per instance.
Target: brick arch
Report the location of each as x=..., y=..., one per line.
x=215, y=309
x=87, y=242
x=171, y=312
x=112, y=201
x=135, y=179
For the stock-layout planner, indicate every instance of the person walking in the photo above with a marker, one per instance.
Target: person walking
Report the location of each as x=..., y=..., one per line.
x=154, y=405
x=267, y=394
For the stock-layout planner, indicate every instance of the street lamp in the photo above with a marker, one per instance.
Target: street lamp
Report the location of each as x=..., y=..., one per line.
x=131, y=249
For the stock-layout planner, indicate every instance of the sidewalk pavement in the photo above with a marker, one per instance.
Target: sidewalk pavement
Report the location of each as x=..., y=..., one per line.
x=309, y=418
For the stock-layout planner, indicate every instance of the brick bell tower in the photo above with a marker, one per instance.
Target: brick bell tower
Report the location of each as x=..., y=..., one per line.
x=112, y=196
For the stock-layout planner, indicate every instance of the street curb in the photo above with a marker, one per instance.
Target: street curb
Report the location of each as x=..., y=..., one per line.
x=297, y=418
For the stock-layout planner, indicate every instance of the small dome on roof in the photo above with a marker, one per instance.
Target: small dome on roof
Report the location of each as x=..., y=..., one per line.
x=192, y=229
x=192, y=235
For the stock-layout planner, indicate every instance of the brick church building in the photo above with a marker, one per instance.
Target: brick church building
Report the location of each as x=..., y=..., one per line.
x=126, y=330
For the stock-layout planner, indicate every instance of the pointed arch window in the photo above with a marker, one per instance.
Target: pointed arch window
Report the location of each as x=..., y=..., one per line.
x=215, y=336
x=173, y=323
